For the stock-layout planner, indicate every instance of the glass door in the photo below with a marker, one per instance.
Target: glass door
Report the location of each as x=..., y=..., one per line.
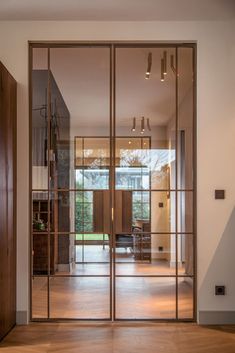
x=153, y=228
x=71, y=214
x=112, y=182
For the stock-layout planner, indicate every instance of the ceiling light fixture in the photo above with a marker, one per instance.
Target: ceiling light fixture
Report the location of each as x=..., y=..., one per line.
x=142, y=125
x=149, y=66
x=162, y=70
x=148, y=124
x=172, y=64
x=165, y=62
x=134, y=124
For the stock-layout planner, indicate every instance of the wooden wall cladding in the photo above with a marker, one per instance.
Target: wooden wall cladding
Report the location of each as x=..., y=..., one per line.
x=7, y=201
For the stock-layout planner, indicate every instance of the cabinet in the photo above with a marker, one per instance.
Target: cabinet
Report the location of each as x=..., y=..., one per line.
x=7, y=201
x=142, y=247
x=102, y=211
x=40, y=238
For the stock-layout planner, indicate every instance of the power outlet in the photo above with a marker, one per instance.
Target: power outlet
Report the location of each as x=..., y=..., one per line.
x=219, y=290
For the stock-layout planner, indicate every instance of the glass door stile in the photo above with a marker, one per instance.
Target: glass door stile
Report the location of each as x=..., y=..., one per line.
x=149, y=261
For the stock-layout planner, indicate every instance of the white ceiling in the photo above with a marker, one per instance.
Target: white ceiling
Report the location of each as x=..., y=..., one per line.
x=82, y=75
x=117, y=10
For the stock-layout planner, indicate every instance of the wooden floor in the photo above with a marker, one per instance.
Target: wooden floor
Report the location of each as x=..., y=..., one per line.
x=136, y=297
x=120, y=338
x=88, y=298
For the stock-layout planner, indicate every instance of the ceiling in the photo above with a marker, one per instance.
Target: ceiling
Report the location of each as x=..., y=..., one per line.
x=117, y=10
x=82, y=75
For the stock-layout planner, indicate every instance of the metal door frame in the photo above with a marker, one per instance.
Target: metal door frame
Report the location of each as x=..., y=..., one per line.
x=113, y=46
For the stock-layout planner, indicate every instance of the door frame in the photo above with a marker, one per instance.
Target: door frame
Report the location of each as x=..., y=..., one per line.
x=113, y=45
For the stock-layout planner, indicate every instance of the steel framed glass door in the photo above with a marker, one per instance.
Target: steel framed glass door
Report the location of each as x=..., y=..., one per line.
x=154, y=271
x=112, y=182
x=71, y=215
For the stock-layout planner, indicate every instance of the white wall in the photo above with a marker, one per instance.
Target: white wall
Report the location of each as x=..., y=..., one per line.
x=216, y=135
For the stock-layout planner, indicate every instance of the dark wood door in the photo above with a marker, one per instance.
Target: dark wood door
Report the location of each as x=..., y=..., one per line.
x=7, y=201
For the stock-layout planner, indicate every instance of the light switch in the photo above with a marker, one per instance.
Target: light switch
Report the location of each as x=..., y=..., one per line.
x=219, y=194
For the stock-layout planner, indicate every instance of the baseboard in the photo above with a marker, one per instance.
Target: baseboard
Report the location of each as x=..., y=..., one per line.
x=21, y=318
x=216, y=317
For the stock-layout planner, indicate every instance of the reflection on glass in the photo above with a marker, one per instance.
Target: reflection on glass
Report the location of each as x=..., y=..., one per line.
x=39, y=119
x=146, y=298
x=92, y=152
x=132, y=178
x=185, y=212
x=185, y=298
x=76, y=298
x=185, y=118
x=92, y=179
x=39, y=297
x=185, y=254
x=132, y=169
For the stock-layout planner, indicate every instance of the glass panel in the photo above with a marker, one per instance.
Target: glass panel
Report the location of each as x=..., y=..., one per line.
x=40, y=212
x=62, y=210
x=163, y=212
x=145, y=298
x=185, y=118
x=96, y=152
x=92, y=152
x=185, y=298
x=79, y=129
x=74, y=254
x=81, y=211
x=185, y=212
x=145, y=118
x=40, y=254
x=145, y=254
x=185, y=254
x=94, y=179
x=93, y=250
x=39, y=297
x=39, y=119
x=140, y=206
x=79, y=298
x=145, y=211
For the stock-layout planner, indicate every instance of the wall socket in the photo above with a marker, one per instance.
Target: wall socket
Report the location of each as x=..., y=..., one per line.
x=219, y=290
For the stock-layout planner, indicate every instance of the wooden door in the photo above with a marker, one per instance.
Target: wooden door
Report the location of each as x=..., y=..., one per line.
x=7, y=201
x=102, y=212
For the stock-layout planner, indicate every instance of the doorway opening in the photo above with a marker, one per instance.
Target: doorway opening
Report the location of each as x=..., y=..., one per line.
x=112, y=170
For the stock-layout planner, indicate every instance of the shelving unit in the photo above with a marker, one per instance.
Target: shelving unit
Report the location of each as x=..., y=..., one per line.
x=142, y=247
x=40, y=239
